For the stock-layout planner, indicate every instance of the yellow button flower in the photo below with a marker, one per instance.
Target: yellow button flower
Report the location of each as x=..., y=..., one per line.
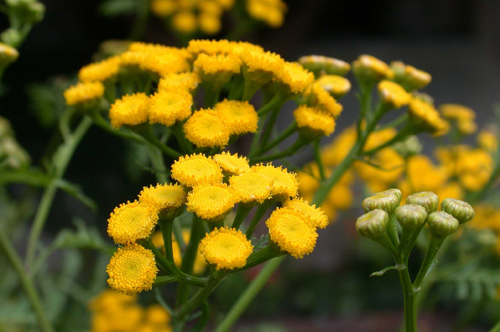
x=487, y=140
x=295, y=77
x=393, y=94
x=284, y=184
x=462, y=115
x=164, y=197
x=322, y=99
x=168, y=107
x=206, y=130
x=313, y=123
x=239, y=117
x=428, y=116
x=211, y=202
x=130, y=110
x=209, y=23
x=252, y=187
x=163, y=8
x=292, y=232
x=184, y=22
x=205, y=46
x=131, y=222
x=132, y=269
x=226, y=248
x=196, y=169
x=232, y=164
x=410, y=77
x=181, y=81
x=218, y=69
x=369, y=68
x=336, y=85
x=261, y=67
x=84, y=93
x=100, y=71
x=157, y=315
x=270, y=12
x=314, y=214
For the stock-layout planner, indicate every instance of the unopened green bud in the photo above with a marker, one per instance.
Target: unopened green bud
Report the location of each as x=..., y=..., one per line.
x=373, y=224
x=411, y=216
x=11, y=36
x=442, y=223
x=37, y=11
x=386, y=200
x=322, y=65
x=5, y=128
x=411, y=146
x=461, y=210
x=427, y=199
x=369, y=69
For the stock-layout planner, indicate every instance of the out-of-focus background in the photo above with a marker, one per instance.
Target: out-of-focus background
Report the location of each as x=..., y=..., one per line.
x=457, y=41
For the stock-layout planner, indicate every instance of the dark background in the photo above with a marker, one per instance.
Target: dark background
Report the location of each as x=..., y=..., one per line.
x=457, y=41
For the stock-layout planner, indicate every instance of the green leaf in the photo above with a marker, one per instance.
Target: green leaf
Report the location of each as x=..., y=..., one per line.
x=32, y=177
x=117, y=7
x=76, y=192
x=83, y=237
x=383, y=271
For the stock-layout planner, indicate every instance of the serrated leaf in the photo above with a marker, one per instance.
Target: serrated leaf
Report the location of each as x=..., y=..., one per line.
x=383, y=271
x=261, y=242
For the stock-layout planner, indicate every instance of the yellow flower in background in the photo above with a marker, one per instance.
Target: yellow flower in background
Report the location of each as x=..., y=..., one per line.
x=82, y=93
x=369, y=68
x=340, y=197
x=156, y=59
x=463, y=115
x=163, y=197
x=232, y=164
x=313, y=123
x=169, y=107
x=474, y=169
x=130, y=110
x=487, y=217
x=179, y=81
x=184, y=22
x=261, y=66
x=132, y=269
x=324, y=66
x=131, y=222
x=239, y=117
x=209, y=23
x=210, y=47
x=272, y=12
x=379, y=137
x=206, y=130
x=292, y=232
x=196, y=169
x=252, y=187
x=334, y=152
x=226, y=248
x=390, y=167
x=172, y=53
x=157, y=315
x=217, y=69
x=322, y=99
x=393, y=94
x=338, y=86
x=315, y=215
x=284, y=184
x=163, y=7
x=487, y=140
x=295, y=77
x=410, y=77
x=100, y=71
x=428, y=117
x=211, y=202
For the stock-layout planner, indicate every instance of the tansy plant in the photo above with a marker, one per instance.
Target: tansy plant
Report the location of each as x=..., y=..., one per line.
x=384, y=216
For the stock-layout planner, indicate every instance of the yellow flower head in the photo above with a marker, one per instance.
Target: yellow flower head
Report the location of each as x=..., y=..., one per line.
x=284, y=184
x=196, y=169
x=462, y=115
x=171, y=53
x=226, y=4
x=8, y=54
x=163, y=8
x=199, y=262
x=100, y=71
x=218, y=69
x=321, y=65
x=132, y=269
x=163, y=197
x=340, y=146
x=181, y=81
x=211, y=7
x=84, y=93
x=393, y=94
x=426, y=115
x=487, y=140
x=130, y=110
x=322, y=99
x=157, y=315
x=369, y=68
x=168, y=107
x=159, y=61
x=272, y=12
x=261, y=67
x=295, y=77
x=131, y=222
x=211, y=202
x=232, y=164
x=108, y=299
x=338, y=86
x=205, y=129
x=292, y=232
x=314, y=214
x=252, y=187
x=226, y=248
x=313, y=123
x=184, y=22
x=410, y=77
x=209, y=23
x=205, y=46
x=239, y=117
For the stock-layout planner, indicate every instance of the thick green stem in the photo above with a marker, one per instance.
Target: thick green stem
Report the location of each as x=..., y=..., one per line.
x=250, y=293
x=211, y=96
x=163, y=280
x=26, y=282
x=166, y=231
x=261, y=211
x=299, y=143
x=409, y=296
x=186, y=146
x=261, y=256
x=103, y=124
x=241, y=214
x=61, y=160
x=292, y=128
x=319, y=160
x=277, y=100
x=269, y=126
x=434, y=245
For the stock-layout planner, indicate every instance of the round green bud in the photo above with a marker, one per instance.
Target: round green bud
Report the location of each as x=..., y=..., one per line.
x=442, y=223
x=386, y=200
x=373, y=224
x=411, y=216
x=11, y=36
x=461, y=210
x=409, y=147
x=427, y=199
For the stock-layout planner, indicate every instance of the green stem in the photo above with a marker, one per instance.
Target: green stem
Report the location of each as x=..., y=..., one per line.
x=261, y=211
x=434, y=245
x=186, y=146
x=409, y=296
x=269, y=126
x=103, y=124
x=477, y=196
x=250, y=293
x=163, y=280
x=496, y=328
x=146, y=132
x=292, y=128
x=261, y=256
x=166, y=231
x=61, y=160
x=26, y=283
x=319, y=160
x=141, y=21
x=299, y=143
x=396, y=122
x=241, y=214
x=203, y=321
x=401, y=135
x=211, y=96
x=158, y=163
x=276, y=101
